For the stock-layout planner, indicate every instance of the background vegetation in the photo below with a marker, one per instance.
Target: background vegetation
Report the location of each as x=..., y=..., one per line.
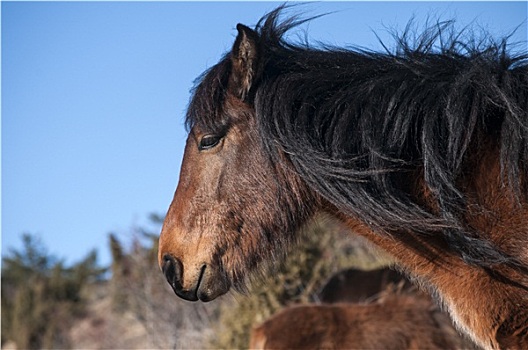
x=46, y=304
x=41, y=297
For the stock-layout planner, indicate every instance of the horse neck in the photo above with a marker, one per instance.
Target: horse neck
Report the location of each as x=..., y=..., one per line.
x=456, y=284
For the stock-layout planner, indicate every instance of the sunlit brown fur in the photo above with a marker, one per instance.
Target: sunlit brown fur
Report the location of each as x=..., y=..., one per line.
x=490, y=307
x=399, y=322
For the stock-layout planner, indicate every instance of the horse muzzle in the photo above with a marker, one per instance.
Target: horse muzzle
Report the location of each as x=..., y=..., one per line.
x=204, y=282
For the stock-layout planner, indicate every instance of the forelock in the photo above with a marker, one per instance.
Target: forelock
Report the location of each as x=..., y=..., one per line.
x=207, y=98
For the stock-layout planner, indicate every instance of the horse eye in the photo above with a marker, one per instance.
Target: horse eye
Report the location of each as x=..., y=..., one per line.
x=208, y=141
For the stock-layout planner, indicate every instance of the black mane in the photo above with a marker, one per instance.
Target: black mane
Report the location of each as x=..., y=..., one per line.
x=357, y=124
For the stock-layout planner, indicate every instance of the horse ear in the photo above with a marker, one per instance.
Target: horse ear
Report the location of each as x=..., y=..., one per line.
x=244, y=57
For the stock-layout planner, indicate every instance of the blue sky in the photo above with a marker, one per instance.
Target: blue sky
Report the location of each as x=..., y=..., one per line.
x=94, y=93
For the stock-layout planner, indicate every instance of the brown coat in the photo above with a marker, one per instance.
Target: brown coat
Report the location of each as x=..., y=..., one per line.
x=398, y=322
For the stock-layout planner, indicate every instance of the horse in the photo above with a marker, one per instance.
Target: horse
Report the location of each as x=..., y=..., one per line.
x=384, y=286
x=422, y=150
x=398, y=322
x=360, y=286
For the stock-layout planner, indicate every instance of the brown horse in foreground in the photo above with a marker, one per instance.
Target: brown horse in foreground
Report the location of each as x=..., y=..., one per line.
x=423, y=151
x=398, y=322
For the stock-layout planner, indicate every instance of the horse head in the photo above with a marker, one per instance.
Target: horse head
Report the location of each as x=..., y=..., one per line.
x=235, y=205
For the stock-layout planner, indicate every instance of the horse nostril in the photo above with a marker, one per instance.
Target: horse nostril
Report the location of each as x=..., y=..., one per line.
x=172, y=269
